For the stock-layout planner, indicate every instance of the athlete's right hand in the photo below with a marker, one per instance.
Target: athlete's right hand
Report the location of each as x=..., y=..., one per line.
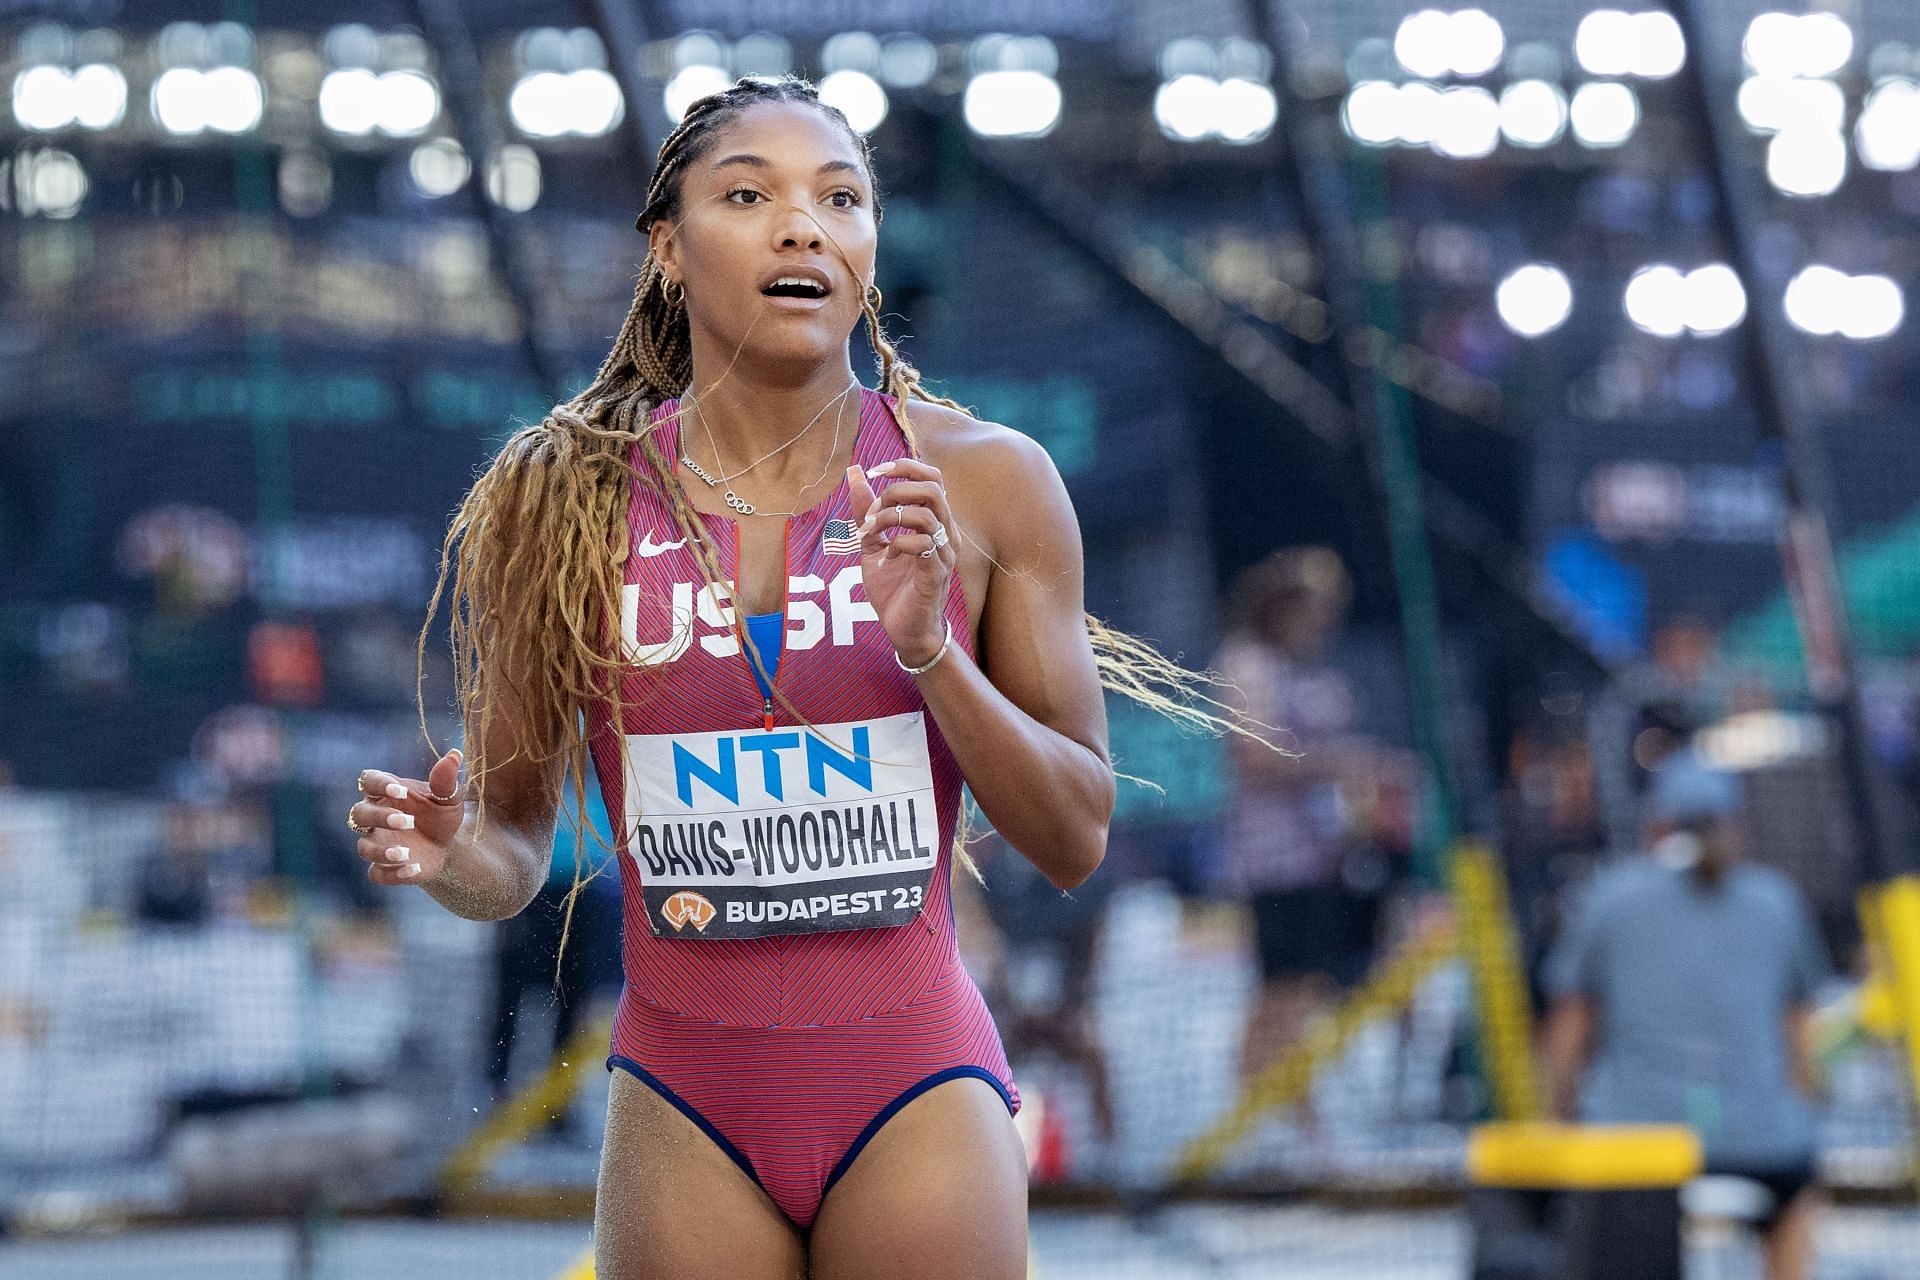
x=409, y=828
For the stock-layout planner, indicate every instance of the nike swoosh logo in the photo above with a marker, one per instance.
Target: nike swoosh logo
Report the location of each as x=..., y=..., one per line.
x=649, y=548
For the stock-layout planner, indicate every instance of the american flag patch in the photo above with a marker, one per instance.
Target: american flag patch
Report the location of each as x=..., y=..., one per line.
x=839, y=538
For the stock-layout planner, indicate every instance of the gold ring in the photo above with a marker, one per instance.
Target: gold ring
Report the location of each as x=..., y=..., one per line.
x=365, y=831
x=444, y=799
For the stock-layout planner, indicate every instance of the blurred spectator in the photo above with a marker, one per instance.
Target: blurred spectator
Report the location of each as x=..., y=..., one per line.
x=1290, y=841
x=1682, y=994
x=529, y=942
x=1036, y=968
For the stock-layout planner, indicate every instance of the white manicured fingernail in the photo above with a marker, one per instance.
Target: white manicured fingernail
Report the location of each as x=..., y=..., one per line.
x=403, y=821
x=885, y=468
x=397, y=791
x=409, y=871
x=399, y=853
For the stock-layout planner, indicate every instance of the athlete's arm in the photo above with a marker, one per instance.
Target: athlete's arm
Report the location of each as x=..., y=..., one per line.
x=480, y=868
x=1027, y=724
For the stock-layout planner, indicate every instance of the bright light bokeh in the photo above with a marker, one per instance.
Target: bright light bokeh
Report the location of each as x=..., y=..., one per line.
x=690, y=84
x=858, y=96
x=1012, y=104
x=1534, y=300
x=439, y=168
x=1807, y=160
x=1888, y=132
x=1469, y=123
x=1604, y=113
x=1533, y=113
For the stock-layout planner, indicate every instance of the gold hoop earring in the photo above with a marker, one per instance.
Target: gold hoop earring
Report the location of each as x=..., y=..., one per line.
x=675, y=293
x=873, y=296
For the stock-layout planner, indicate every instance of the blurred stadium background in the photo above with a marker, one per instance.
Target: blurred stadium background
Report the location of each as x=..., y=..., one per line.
x=1567, y=331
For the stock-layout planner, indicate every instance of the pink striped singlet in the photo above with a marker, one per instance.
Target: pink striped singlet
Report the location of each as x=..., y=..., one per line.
x=792, y=978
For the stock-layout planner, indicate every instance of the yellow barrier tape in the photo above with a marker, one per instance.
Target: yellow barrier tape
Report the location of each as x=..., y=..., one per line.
x=1286, y=1081
x=1492, y=949
x=519, y=1116
x=1561, y=1157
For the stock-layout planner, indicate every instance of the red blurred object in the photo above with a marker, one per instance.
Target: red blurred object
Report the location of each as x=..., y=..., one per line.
x=283, y=664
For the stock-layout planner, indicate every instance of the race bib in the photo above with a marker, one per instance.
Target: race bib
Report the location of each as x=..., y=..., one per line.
x=790, y=830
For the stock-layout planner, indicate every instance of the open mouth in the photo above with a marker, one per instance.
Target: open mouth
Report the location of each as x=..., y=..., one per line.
x=795, y=287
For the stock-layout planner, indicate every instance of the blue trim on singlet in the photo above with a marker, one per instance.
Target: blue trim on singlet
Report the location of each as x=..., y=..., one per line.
x=688, y=1110
x=768, y=632
x=911, y=1092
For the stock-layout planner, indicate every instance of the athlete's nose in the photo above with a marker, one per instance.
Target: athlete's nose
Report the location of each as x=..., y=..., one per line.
x=796, y=228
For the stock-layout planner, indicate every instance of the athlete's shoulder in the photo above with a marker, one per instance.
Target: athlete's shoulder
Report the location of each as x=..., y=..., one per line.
x=967, y=448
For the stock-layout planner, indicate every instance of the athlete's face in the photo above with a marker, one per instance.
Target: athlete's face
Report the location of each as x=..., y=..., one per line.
x=780, y=191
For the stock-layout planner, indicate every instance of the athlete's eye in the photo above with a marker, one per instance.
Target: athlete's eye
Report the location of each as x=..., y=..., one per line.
x=853, y=197
x=750, y=191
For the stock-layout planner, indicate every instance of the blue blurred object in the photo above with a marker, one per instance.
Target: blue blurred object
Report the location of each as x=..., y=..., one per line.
x=1687, y=789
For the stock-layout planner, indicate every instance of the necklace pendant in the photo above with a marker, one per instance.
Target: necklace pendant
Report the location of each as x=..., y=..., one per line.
x=698, y=470
x=739, y=503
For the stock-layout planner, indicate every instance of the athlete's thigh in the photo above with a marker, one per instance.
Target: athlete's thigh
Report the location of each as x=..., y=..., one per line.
x=672, y=1206
x=940, y=1193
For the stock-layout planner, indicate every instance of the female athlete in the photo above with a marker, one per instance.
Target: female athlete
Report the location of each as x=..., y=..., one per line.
x=787, y=615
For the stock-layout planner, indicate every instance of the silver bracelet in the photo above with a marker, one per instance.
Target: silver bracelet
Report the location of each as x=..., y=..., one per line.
x=930, y=663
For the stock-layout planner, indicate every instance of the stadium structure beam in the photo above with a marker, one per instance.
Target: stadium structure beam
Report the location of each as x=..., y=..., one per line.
x=1147, y=275
x=445, y=28
x=1806, y=546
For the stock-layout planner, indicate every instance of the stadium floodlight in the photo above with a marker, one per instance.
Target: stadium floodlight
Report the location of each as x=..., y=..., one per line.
x=858, y=96
x=908, y=61
x=1875, y=307
x=50, y=182
x=439, y=168
x=1477, y=40
x=700, y=49
x=1788, y=44
x=1419, y=114
x=1011, y=104
x=1534, y=300
x=1713, y=299
x=1246, y=110
x=1659, y=46
x=44, y=99
x=1655, y=300
x=1371, y=113
x=1604, y=113
x=1469, y=123
x=1603, y=43
x=539, y=106
x=408, y=103
x=1815, y=299
x=1533, y=113
x=351, y=46
x=1768, y=103
x=1420, y=43
x=850, y=51
x=235, y=101
x=763, y=53
x=1431, y=43
x=100, y=95
x=1807, y=160
x=689, y=85
x=513, y=178
x=1888, y=132
x=349, y=101
x=1184, y=107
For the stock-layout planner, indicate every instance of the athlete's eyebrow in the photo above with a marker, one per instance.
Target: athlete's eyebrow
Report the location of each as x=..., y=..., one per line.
x=761, y=162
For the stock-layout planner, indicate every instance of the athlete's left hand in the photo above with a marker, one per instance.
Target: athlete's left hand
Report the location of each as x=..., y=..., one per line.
x=906, y=588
